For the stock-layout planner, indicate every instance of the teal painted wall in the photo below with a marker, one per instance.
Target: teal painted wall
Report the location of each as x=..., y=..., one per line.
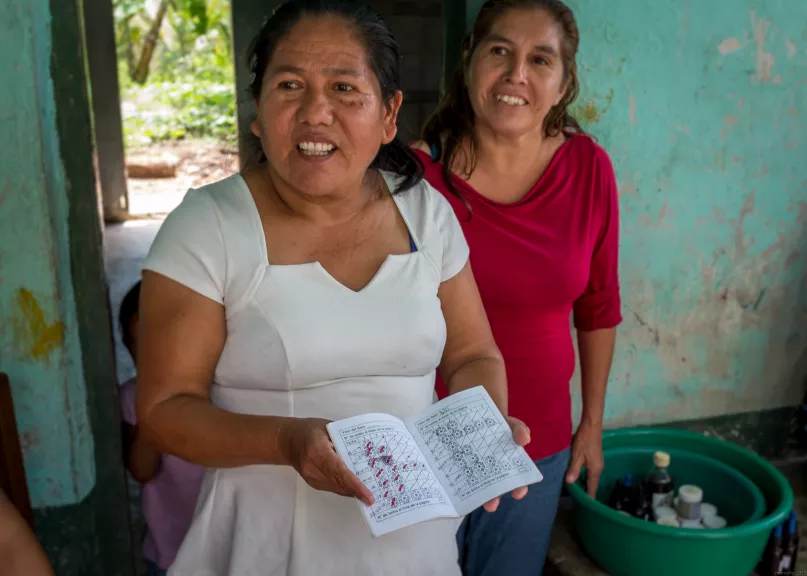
x=703, y=109
x=39, y=344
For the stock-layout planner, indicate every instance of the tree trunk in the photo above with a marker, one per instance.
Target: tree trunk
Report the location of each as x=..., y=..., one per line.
x=142, y=70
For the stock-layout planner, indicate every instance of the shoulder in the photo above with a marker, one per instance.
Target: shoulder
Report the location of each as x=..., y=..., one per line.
x=215, y=198
x=206, y=211
x=423, y=203
x=420, y=146
x=587, y=152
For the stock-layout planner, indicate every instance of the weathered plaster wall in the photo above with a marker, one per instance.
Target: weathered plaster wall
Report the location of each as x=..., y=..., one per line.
x=703, y=109
x=39, y=344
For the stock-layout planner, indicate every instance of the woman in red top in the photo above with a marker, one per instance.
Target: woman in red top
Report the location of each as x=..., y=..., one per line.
x=538, y=203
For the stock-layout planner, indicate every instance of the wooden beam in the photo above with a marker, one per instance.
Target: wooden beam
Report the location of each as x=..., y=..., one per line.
x=102, y=63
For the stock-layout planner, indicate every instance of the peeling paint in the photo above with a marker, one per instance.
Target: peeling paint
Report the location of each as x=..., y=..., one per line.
x=765, y=60
x=590, y=111
x=729, y=45
x=792, y=50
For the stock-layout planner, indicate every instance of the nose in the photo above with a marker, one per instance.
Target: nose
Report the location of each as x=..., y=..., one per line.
x=517, y=72
x=316, y=110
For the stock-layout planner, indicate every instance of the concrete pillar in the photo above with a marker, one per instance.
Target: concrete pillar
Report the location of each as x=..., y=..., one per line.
x=55, y=338
x=107, y=122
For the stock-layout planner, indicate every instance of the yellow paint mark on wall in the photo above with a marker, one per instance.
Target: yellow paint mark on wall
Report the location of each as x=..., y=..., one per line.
x=34, y=336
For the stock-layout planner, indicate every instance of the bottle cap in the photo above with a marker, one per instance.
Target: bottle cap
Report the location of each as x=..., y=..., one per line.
x=714, y=522
x=661, y=459
x=791, y=525
x=708, y=510
x=690, y=494
x=777, y=532
x=668, y=521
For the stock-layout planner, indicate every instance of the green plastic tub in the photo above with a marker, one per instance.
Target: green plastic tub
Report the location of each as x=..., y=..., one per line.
x=738, y=500
x=626, y=546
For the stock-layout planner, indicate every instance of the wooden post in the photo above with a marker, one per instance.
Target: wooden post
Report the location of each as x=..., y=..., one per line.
x=107, y=121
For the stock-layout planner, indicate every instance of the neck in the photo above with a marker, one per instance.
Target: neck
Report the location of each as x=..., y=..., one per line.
x=500, y=154
x=335, y=207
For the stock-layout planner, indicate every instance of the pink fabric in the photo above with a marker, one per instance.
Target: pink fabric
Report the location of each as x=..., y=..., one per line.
x=537, y=262
x=169, y=500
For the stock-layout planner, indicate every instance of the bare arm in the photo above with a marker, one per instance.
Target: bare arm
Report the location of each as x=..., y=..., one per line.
x=471, y=357
x=596, y=349
x=142, y=460
x=20, y=553
x=181, y=336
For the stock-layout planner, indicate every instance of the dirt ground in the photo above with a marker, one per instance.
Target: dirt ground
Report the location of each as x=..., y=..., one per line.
x=199, y=162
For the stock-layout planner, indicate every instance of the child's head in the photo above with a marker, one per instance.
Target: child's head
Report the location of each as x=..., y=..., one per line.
x=128, y=319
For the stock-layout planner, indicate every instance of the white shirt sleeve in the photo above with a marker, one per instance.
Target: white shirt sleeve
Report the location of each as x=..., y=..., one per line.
x=455, y=246
x=189, y=247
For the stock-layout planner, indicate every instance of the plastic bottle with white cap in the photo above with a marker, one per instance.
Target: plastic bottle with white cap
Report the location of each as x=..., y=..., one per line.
x=689, y=502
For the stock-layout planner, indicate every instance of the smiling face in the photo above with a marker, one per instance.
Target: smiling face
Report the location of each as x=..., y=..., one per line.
x=515, y=74
x=321, y=118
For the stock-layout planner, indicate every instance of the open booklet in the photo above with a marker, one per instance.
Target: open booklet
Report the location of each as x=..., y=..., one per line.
x=444, y=462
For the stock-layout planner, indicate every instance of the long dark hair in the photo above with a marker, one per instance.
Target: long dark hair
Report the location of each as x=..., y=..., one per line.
x=453, y=120
x=383, y=57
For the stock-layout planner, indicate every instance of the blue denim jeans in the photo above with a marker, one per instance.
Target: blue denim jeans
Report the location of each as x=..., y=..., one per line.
x=514, y=540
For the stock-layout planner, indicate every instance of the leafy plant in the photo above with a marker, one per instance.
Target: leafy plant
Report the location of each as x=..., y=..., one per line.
x=189, y=90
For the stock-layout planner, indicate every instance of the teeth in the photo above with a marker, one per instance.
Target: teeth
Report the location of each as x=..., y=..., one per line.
x=511, y=100
x=316, y=148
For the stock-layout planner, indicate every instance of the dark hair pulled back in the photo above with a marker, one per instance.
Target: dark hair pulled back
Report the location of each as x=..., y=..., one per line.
x=453, y=120
x=383, y=57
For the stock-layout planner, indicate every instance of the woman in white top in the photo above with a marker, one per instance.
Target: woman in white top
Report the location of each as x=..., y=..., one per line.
x=330, y=282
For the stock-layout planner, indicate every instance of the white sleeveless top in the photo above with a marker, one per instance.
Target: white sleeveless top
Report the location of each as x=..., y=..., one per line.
x=299, y=343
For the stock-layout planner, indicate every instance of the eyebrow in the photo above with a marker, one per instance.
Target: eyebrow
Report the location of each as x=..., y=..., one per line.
x=287, y=69
x=545, y=48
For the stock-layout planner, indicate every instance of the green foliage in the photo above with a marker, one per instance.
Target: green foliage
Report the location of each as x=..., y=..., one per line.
x=190, y=92
x=196, y=12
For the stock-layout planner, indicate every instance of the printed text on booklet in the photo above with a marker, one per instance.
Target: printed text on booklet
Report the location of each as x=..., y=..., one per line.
x=444, y=462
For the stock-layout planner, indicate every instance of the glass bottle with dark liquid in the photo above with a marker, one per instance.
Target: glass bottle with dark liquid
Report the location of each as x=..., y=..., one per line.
x=659, y=485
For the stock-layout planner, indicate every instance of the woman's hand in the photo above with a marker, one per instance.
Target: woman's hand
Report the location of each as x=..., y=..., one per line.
x=308, y=448
x=587, y=451
x=521, y=436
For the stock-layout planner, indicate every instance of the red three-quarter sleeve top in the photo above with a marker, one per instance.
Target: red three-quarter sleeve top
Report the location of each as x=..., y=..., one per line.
x=541, y=263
